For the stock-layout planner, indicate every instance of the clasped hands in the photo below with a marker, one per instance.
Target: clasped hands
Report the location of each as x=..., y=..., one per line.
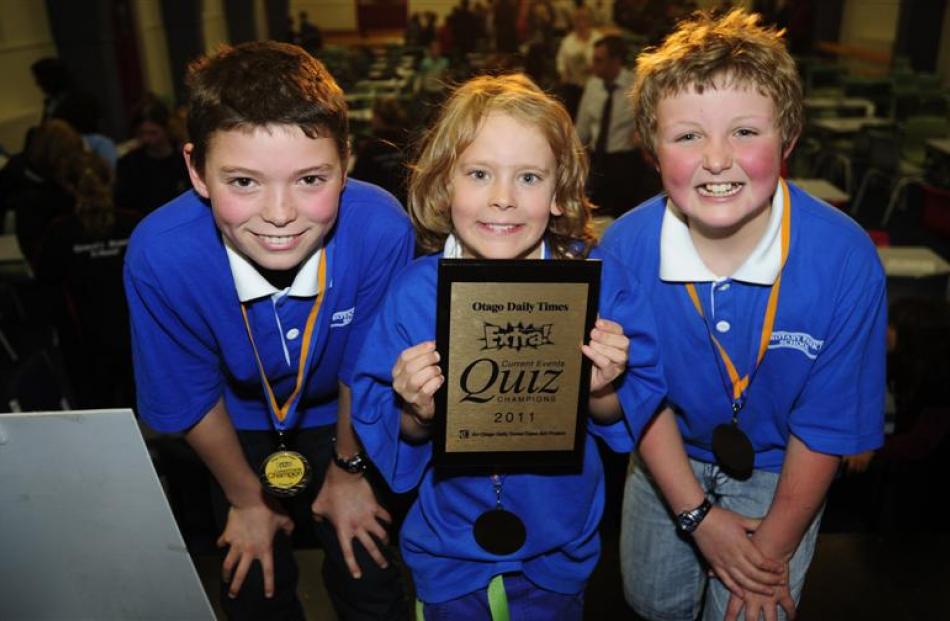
x=756, y=582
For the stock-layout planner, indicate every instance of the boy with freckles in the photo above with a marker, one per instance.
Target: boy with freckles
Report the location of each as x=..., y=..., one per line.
x=249, y=298
x=770, y=309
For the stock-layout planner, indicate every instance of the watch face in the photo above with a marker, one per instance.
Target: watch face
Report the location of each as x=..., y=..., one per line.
x=686, y=523
x=357, y=464
x=353, y=465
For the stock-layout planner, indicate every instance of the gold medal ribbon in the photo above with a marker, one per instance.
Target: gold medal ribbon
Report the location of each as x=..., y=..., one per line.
x=740, y=384
x=282, y=412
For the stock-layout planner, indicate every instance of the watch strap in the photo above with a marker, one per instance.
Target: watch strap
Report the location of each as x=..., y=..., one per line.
x=689, y=521
x=354, y=465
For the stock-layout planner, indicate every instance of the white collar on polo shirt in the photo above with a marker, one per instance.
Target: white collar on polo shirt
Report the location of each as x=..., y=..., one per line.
x=679, y=261
x=251, y=285
x=453, y=249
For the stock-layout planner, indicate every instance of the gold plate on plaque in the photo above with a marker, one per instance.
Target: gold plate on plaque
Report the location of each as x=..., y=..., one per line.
x=516, y=376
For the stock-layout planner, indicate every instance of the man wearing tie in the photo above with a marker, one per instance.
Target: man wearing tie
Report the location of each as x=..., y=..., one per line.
x=619, y=177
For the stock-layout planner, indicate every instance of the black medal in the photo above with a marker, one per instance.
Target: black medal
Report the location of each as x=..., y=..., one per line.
x=733, y=451
x=731, y=446
x=285, y=473
x=498, y=531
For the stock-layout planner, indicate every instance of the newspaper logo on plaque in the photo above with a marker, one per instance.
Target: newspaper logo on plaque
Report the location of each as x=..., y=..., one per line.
x=517, y=382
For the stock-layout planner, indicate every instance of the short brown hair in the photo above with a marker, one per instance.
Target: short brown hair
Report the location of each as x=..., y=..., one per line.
x=706, y=51
x=259, y=84
x=430, y=184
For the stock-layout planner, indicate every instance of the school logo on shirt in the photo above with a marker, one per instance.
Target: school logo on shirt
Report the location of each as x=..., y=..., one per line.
x=805, y=343
x=342, y=318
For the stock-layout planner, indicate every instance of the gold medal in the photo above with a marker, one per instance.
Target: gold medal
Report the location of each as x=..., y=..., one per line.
x=285, y=473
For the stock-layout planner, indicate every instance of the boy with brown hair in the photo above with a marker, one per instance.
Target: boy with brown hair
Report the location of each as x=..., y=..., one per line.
x=249, y=298
x=771, y=315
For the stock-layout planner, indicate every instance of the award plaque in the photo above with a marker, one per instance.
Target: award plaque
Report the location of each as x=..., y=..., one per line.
x=509, y=337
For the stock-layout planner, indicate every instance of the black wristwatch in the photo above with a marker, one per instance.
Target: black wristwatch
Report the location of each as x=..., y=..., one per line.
x=688, y=521
x=354, y=465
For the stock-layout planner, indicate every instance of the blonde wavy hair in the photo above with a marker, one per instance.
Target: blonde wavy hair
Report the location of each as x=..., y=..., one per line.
x=706, y=51
x=54, y=144
x=89, y=180
x=430, y=183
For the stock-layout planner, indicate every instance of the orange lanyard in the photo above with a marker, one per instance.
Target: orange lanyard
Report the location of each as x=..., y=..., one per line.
x=740, y=384
x=282, y=412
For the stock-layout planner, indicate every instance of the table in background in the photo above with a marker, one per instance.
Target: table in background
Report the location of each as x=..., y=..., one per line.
x=839, y=106
x=914, y=271
x=840, y=128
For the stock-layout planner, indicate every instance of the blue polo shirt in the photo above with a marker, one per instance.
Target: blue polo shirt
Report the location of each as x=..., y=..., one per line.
x=561, y=512
x=822, y=378
x=189, y=342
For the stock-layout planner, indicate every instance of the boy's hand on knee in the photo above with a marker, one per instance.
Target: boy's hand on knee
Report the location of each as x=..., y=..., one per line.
x=723, y=538
x=250, y=534
x=416, y=378
x=348, y=501
x=608, y=350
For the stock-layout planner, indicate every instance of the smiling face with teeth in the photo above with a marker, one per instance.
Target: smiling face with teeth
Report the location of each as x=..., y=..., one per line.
x=503, y=190
x=274, y=192
x=720, y=154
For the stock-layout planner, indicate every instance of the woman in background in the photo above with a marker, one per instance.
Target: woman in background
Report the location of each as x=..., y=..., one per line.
x=153, y=173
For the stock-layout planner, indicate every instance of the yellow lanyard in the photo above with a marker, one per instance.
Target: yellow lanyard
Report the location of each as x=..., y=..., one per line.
x=279, y=412
x=740, y=384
